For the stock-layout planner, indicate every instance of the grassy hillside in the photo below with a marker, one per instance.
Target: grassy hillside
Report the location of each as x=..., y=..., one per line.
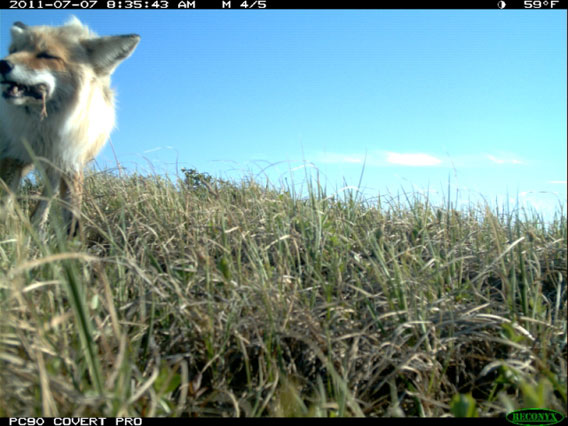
x=210, y=298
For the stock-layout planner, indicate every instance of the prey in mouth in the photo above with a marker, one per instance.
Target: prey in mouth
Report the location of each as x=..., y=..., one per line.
x=18, y=92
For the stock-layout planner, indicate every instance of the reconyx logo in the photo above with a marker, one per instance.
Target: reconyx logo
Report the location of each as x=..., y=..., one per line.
x=535, y=417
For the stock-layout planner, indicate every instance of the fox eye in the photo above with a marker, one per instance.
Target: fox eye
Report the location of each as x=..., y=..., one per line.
x=46, y=55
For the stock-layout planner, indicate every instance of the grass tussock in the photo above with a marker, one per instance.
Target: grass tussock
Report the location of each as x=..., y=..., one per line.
x=214, y=298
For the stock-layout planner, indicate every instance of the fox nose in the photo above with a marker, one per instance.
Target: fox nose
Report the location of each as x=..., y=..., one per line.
x=6, y=66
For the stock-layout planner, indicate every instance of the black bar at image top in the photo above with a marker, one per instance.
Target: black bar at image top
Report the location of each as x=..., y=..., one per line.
x=529, y=5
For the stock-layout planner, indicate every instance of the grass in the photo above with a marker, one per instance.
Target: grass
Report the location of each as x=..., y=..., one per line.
x=214, y=298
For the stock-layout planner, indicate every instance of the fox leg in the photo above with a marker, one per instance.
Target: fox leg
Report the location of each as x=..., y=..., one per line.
x=71, y=192
x=70, y=186
x=11, y=172
x=41, y=210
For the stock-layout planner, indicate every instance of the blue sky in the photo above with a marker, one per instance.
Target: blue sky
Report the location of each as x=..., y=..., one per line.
x=415, y=97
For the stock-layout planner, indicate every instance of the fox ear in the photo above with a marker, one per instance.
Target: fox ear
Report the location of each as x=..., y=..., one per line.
x=18, y=29
x=106, y=53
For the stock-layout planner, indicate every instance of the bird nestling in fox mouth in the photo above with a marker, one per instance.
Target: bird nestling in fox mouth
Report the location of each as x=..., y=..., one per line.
x=18, y=91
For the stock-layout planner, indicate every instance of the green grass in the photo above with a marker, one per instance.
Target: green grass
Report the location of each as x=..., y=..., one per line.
x=214, y=298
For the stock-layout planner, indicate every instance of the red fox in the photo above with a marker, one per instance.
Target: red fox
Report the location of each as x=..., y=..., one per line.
x=57, y=107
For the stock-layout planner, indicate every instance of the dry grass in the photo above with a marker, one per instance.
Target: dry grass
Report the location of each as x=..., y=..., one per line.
x=209, y=298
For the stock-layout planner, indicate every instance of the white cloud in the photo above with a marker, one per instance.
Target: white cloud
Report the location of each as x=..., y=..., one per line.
x=558, y=182
x=380, y=159
x=413, y=160
x=496, y=160
x=334, y=158
x=503, y=160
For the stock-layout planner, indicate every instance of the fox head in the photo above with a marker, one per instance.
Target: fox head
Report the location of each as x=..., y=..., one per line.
x=47, y=64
